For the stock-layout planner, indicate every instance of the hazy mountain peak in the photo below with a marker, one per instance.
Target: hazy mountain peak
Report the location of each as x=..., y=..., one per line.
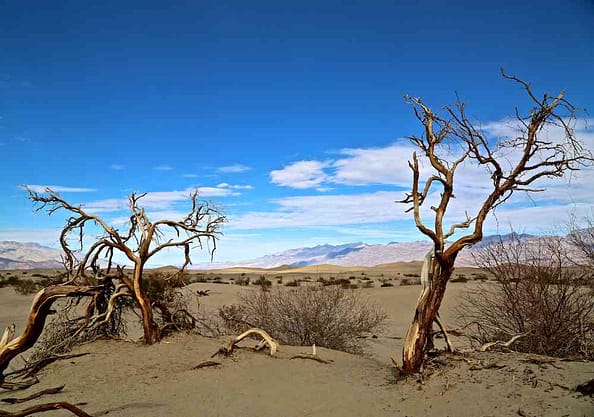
x=28, y=255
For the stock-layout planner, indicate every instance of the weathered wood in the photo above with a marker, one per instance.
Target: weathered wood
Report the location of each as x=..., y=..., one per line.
x=231, y=346
x=40, y=308
x=206, y=364
x=489, y=345
x=33, y=368
x=45, y=407
x=12, y=400
x=310, y=357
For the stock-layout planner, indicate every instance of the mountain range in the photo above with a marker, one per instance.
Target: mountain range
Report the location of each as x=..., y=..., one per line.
x=16, y=255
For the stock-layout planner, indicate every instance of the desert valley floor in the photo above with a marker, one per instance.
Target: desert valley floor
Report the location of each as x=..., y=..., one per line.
x=125, y=378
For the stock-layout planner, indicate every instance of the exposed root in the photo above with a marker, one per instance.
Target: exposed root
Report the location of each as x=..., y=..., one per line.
x=206, y=364
x=32, y=369
x=15, y=386
x=311, y=357
x=446, y=336
x=232, y=345
x=54, y=390
x=46, y=407
x=489, y=345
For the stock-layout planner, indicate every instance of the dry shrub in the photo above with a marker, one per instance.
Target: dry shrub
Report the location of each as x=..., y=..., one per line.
x=538, y=292
x=171, y=305
x=328, y=316
x=69, y=326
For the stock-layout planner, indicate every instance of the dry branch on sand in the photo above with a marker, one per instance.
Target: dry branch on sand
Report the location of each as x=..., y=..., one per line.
x=38, y=394
x=45, y=407
x=229, y=348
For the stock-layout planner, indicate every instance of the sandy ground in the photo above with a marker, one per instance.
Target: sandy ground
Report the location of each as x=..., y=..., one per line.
x=128, y=379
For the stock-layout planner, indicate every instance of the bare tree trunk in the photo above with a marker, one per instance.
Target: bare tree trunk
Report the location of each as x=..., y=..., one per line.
x=149, y=327
x=419, y=333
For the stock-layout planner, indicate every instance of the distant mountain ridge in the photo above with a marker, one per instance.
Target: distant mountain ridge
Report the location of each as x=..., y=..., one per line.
x=18, y=255
x=15, y=255
x=350, y=254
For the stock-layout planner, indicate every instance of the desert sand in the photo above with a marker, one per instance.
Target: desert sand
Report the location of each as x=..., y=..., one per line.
x=125, y=378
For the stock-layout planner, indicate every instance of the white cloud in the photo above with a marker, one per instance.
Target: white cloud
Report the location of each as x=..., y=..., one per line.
x=190, y=175
x=301, y=174
x=58, y=188
x=233, y=169
x=365, y=166
x=117, y=167
x=108, y=205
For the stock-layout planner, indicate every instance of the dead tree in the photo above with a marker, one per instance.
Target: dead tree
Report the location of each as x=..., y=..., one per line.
x=139, y=243
x=451, y=140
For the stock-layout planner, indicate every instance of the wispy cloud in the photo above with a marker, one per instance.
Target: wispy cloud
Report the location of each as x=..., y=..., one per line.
x=234, y=169
x=235, y=187
x=117, y=167
x=160, y=200
x=324, y=210
x=57, y=188
x=190, y=175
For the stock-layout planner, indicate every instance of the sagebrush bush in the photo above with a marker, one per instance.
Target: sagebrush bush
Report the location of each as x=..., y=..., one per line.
x=328, y=316
x=410, y=281
x=537, y=293
x=26, y=286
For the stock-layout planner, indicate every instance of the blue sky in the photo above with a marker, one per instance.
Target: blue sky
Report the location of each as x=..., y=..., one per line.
x=289, y=115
